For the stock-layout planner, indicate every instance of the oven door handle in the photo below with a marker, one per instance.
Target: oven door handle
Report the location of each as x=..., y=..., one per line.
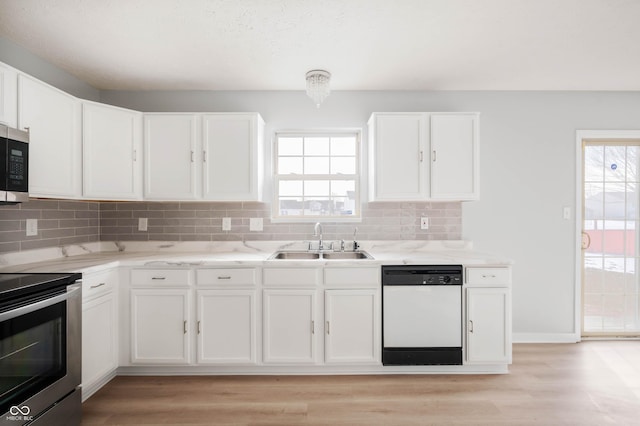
x=32, y=307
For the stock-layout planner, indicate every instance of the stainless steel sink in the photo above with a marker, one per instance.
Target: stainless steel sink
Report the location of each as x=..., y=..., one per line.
x=295, y=255
x=346, y=255
x=309, y=255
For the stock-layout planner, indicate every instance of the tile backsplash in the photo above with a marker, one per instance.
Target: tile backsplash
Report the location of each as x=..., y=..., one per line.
x=62, y=222
x=202, y=221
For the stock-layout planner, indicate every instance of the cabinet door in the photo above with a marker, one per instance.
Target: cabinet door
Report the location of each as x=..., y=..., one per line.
x=289, y=326
x=171, y=146
x=226, y=327
x=159, y=327
x=99, y=341
x=53, y=119
x=352, y=326
x=488, y=326
x=8, y=96
x=454, y=156
x=398, y=149
x=232, y=160
x=111, y=146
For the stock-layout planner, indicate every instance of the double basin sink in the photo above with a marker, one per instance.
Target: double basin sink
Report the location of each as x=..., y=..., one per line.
x=314, y=255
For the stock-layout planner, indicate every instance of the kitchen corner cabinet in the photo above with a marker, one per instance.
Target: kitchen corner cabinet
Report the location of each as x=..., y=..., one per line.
x=112, y=152
x=8, y=96
x=232, y=149
x=423, y=156
x=55, y=154
x=172, y=143
x=488, y=316
x=99, y=330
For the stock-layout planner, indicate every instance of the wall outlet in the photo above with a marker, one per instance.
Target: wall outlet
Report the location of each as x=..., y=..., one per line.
x=226, y=224
x=255, y=224
x=32, y=227
x=424, y=222
x=143, y=222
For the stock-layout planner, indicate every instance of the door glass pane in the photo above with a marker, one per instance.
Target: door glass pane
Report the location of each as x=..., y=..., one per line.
x=610, y=219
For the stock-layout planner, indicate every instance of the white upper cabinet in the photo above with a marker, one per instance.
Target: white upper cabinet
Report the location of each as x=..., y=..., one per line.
x=53, y=119
x=396, y=149
x=232, y=156
x=172, y=156
x=454, y=156
x=8, y=96
x=111, y=142
x=422, y=156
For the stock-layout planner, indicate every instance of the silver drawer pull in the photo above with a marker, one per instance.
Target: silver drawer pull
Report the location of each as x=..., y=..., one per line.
x=226, y=277
x=158, y=278
x=185, y=327
x=470, y=326
x=488, y=276
x=97, y=285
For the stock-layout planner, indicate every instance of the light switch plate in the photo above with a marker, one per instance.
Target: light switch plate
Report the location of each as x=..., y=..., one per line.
x=32, y=227
x=255, y=224
x=566, y=213
x=226, y=224
x=424, y=222
x=143, y=222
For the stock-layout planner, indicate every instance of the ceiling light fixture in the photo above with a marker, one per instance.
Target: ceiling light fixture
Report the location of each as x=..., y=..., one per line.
x=318, y=85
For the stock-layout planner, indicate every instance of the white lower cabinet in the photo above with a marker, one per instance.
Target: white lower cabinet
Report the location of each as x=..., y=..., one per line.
x=289, y=326
x=488, y=316
x=99, y=330
x=352, y=326
x=160, y=326
x=226, y=326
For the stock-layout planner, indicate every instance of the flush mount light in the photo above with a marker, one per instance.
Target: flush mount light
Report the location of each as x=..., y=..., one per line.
x=318, y=85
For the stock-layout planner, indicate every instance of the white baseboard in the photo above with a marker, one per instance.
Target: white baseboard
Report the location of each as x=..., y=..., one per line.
x=545, y=338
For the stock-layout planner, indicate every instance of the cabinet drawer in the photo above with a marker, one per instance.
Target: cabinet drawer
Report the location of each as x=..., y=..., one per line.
x=98, y=283
x=160, y=277
x=291, y=276
x=369, y=277
x=489, y=277
x=239, y=276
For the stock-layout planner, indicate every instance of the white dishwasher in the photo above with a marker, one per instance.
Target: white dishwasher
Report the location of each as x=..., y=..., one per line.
x=422, y=315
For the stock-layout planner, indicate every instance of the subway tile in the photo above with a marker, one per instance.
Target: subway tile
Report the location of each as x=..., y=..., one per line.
x=73, y=205
x=87, y=214
x=9, y=246
x=13, y=214
x=34, y=204
x=37, y=244
x=58, y=233
x=9, y=225
x=108, y=205
x=73, y=223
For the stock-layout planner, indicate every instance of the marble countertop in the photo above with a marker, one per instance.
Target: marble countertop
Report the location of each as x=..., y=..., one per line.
x=97, y=256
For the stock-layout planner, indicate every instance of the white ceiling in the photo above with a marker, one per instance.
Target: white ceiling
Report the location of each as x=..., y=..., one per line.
x=365, y=44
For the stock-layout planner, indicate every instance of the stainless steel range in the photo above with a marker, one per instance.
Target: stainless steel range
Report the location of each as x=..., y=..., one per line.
x=40, y=349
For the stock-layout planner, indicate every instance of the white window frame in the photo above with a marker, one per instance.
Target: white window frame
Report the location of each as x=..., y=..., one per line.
x=308, y=133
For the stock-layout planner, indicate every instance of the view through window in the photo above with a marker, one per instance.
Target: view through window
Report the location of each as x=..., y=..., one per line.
x=317, y=175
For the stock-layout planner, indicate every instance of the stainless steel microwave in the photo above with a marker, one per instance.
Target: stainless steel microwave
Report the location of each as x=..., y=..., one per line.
x=14, y=165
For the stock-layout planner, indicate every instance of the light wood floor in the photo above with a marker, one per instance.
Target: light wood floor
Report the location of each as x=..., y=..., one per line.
x=590, y=383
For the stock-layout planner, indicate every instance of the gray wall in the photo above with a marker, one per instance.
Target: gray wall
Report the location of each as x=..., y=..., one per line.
x=25, y=61
x=527, y=169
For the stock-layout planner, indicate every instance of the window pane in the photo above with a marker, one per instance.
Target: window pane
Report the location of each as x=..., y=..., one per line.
x=316, y=187
x=290, y=187
x=290, y=206
x=593, y=160
x=343, y=165
x=288, y=165
x=316, y=165
x=614, y=163
x=343, y=206
x=316, y=146
x=289, y=146
x=316, y=206
x=342, y=188
x=632, y=163
x=343, y=146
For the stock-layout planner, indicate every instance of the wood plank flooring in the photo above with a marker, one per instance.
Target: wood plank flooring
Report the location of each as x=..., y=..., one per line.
x=589, y=383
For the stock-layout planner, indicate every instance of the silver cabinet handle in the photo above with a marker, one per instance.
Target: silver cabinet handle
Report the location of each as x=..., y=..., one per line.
x=158, y=278
x=204, y=156
x=470, y=326
x=328, y=327
x=135, y=155
x=313, y=328
x=488, y=276
x=199, y=328
x=184, y=325
x=193, y=156
x=421, y=156
x=225, y=277
x=97, y=285
x=434, y=155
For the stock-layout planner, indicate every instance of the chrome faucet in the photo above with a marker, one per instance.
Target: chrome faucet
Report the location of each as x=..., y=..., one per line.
x=317, y=232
